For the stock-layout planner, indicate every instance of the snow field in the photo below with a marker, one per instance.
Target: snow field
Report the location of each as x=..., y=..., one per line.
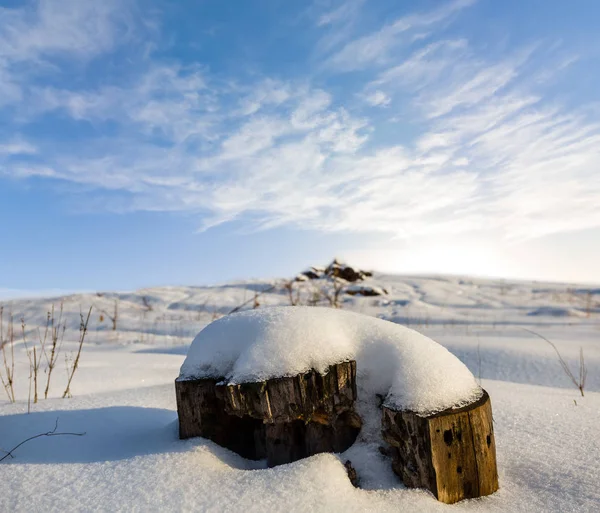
x=547, y=435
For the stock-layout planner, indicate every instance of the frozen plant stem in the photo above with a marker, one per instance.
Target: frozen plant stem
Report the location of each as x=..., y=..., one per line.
x=35, y=369
x=289, y=287
x=31, y=365
x=114, y=317
x=57, y=332
x=9, y=368
x=82, y=331
x=579, y=383
x=253, y=300
x=479, y=359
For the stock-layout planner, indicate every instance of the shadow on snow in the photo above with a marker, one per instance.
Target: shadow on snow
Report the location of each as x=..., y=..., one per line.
x=112, y=433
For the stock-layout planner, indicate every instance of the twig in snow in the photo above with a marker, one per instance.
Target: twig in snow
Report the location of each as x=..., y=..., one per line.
x=49, y=433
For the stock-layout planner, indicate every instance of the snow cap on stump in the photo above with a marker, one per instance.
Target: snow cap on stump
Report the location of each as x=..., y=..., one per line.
x=412, y=371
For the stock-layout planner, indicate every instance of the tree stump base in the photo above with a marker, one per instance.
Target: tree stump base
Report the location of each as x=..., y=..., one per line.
x=282, y=419
x=452, y=453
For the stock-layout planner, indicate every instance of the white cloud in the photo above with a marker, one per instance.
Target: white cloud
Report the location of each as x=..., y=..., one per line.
x=489, y=151
x=83, y=28
x=269, y=92
x=17, y=146
x=376, y=47
x=346, y=11
x=377, y=98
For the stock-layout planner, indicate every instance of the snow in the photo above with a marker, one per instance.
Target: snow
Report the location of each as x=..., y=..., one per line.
x=366, y=290
x=131, y=459
x=547, y=435
x=412, y=371
x=553, y=311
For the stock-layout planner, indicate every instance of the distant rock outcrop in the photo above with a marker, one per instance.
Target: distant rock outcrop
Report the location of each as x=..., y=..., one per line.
x=335, y=269
x=365, y=290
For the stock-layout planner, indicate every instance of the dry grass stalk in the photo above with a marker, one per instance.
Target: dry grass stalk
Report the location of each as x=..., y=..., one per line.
x=57, y=333
x=9, y=362
x=578, y=382
x=83, y=326
x=114, y=317
x=252, y=300
x=479, y=359
x=31, y=364
x=34, y=360
x=289, y=287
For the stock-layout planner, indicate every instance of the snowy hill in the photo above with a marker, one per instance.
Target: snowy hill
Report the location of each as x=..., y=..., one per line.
x=547, y=435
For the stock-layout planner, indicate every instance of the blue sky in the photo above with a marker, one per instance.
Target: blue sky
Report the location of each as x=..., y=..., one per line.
x=186, y=142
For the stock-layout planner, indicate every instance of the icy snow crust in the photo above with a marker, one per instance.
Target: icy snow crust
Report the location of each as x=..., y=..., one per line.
x=412, y=371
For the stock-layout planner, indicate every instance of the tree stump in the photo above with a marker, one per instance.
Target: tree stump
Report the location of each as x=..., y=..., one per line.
x=282, y=419
x=452, y=453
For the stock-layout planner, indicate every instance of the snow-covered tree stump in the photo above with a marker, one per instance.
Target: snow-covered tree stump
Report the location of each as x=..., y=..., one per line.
x=259, y=414
x=452, y=453
x=281, y=419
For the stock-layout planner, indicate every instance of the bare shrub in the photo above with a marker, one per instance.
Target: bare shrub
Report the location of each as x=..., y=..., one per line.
x=289, y=287
x=314, y=298
x=333, y=296
x=46, y=348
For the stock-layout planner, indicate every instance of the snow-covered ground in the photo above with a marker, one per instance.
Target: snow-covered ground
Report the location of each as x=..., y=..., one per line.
x=547, y=435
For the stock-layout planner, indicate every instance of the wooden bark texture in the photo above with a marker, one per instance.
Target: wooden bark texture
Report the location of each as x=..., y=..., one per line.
x=282, y=419
x=452, y=453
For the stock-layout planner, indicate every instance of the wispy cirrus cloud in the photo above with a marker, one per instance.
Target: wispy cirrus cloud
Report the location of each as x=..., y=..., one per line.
x=51, y=27
x=377, y=98
x=377, y=48
x=17, y=146
x=490, y=151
